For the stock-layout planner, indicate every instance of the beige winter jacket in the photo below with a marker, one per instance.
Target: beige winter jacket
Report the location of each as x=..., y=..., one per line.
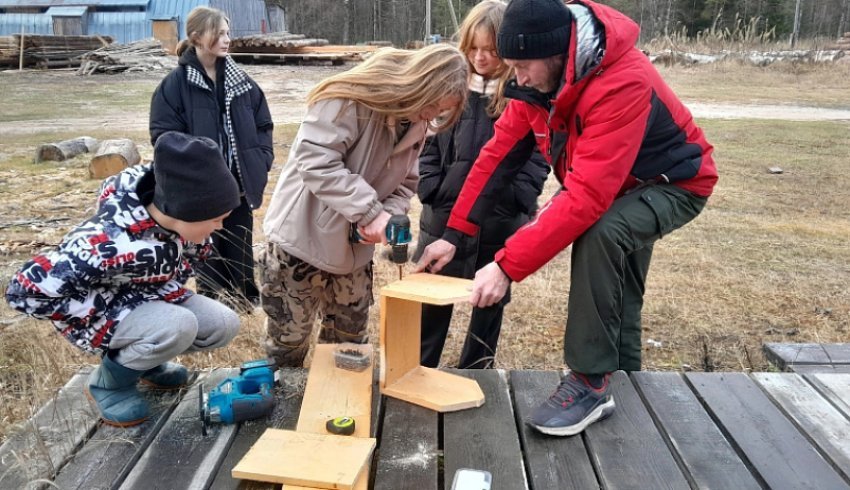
x=344, y=167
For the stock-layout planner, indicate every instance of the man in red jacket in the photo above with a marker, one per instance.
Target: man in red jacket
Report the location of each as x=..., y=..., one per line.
x=633, y=167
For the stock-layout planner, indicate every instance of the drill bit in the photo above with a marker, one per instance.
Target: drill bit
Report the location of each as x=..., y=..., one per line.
x=400, y=269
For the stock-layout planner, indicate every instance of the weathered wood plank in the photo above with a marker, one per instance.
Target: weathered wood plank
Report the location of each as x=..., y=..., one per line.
x=408, y=453
x=289, y=394
x=180, y=456
x=46, y=441
x=775, y=448
x=553, y=463
x=109, y=455
x=824, y=424
x=708, y=458
x=835, y=387
x=784, y=355
x=485, y=438
x=627, y=449
x=820, y=368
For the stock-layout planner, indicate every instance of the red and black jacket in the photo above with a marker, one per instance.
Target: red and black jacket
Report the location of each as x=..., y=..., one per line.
x=613, y=123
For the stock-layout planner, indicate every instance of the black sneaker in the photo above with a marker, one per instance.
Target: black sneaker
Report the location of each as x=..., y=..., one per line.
x=574, y=405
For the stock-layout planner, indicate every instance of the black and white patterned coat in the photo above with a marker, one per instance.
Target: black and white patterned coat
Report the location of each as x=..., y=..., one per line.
x=105, y=267
x=238, y=118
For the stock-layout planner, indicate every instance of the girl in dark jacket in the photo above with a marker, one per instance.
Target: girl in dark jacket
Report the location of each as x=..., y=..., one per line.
x=443, y=167
x=209, y=95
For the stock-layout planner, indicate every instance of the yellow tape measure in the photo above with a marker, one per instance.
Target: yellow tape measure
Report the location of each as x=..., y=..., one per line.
x=343, y=426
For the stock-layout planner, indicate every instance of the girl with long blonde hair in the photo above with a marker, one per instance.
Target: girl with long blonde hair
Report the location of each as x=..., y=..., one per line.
x=353, y=165
x=443, y=168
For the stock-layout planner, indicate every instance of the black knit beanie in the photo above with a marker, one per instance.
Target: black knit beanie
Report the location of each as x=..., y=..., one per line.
x=534, y=29
x=192, y=181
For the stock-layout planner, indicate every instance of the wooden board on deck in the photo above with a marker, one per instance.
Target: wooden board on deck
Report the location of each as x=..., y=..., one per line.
x=111, y=452
x=485, y=438
x=430, y=288
x=775, y=448
x=181, y=439
x=627, y=448
x=46, y=441
x=710, y=460
x=307, y=459
x=824, y=424
x=553, y=463
x=785, y=355
x=408, y=458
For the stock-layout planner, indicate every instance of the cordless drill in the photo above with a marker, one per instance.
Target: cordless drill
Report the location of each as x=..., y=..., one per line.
x=398, y=237
x=247, y=396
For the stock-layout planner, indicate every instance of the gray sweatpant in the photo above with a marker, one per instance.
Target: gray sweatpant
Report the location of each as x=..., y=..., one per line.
x=156, y=332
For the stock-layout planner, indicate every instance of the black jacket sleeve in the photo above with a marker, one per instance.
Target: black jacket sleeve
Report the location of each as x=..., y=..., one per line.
x=265, y=126
x=430, y=170
x=167, y=111
x=529, y=182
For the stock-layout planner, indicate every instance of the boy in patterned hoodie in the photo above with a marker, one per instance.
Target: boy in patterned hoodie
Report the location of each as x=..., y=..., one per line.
x=115, y=286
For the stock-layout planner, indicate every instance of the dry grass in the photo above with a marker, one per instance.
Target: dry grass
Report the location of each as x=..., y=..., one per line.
x=766, y=261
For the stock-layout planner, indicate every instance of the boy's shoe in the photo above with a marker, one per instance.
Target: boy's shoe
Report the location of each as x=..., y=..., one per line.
x=168, y=376
x=578, y=402
x=112, y=387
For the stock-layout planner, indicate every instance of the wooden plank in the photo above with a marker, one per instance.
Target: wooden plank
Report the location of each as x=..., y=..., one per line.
x=626, y=449
x=775, y=448
x=430, y=288
x=46, y=441
x=288, y=394
x=109, y=455
x=784, y=355
x=820, y=368
x=302, y=458
x=823, y=423
x=335, y=392
x=485, y=438
x=180, y=439
x=836, y=389
x=709, y=459
x=438, y=390
x=407, y=458
x=553, y=463
x=400, y=338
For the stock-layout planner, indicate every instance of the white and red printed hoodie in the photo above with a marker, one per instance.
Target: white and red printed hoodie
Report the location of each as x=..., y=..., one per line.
x=108, y=265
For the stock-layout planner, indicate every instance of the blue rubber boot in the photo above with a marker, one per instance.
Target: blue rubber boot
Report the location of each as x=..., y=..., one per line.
x=168, y=376
x=112, y=387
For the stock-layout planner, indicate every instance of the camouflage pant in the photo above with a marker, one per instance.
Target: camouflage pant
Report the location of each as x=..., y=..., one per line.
x=294, y=292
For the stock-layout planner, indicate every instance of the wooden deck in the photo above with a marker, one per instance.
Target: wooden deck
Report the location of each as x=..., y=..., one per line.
x=670, y=430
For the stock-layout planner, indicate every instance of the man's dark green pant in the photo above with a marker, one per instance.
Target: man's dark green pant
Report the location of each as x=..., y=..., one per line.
x=610, y=262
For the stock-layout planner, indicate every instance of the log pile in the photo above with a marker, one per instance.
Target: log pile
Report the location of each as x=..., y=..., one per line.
x=755, y=58
x=45, y=51
x=144, y=55
x=283, y=46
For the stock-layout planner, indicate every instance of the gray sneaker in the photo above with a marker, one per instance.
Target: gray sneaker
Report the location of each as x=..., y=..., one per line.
x=574, y=405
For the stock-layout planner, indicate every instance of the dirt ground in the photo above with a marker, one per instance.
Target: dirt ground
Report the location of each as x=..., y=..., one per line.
x=766, y=261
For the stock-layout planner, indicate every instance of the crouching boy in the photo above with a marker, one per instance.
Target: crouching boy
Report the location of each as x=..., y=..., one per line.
x=115, y=286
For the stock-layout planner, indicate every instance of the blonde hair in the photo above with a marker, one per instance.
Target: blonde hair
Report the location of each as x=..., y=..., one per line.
x=201, y=20
x=399, y=84
x=487, y=17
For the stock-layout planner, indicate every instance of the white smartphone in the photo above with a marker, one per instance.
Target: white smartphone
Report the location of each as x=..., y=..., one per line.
x=467, y=479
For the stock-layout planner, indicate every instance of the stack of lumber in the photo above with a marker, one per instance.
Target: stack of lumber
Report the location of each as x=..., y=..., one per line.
x=57, y=51
x=144, y=55
x=283, y=46
x=9, y=51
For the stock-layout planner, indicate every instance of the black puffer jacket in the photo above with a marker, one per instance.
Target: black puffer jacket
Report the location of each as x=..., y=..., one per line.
x=443, y=166
x=237, y=117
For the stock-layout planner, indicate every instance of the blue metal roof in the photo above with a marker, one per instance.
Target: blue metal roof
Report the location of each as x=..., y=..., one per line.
x=124, y=27
x=52, y=3
x=31, y=23
x=67, y=11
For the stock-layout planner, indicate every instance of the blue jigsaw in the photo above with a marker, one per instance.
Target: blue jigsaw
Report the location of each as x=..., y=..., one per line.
x=245, y=397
